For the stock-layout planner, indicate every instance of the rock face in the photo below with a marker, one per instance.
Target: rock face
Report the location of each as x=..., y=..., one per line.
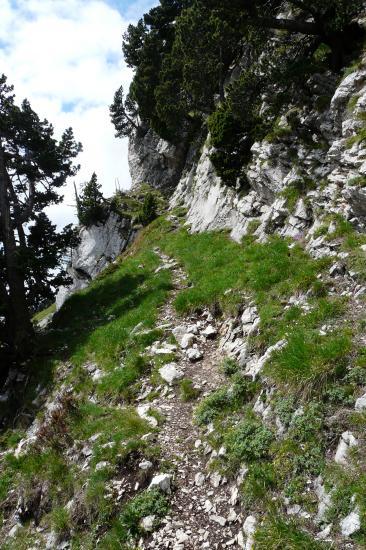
x=99, y=245
x=327, y=156
x=155, y=161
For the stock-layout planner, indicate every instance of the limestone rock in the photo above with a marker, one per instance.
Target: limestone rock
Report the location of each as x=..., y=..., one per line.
x=209, y=332
x=360, y=404
x=249, y=528
x=147, y=523
x=162, y=482
x=194, y=354
x=351, y=523
x=99, y=245
x=170, y=373
x=143, y=412
x=187, y=341
x=346, y=441
x=154, y=161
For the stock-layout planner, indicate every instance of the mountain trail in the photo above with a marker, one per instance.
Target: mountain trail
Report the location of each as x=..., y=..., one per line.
x=203, y=505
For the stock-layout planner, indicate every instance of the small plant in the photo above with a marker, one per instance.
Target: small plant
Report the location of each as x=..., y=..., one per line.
x=229, y=366
x=248, y=441
x=61, y=521
x=147, y=503
x=296, y=190
x=187, y=390
x=258, y=484
x=212, y=406
x=358, y=181
x=229, y=398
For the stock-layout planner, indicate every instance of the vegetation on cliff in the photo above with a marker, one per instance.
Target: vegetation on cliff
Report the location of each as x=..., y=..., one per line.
x=182, y=53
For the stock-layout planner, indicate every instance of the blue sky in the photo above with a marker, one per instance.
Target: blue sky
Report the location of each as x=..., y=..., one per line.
x=65, y=57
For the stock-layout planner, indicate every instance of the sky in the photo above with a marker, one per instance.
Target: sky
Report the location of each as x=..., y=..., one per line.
x=65, y=57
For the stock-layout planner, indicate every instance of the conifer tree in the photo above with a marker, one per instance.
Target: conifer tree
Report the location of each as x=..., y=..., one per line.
x=91, y=206
x=149, y=209
x=33, y=167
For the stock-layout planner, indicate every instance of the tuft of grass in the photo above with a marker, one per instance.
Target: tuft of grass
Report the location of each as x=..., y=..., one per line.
x=259, y=484
x=60, y=521
x=296, y=190
x=38, y=317
x=358, y=181
x=309, y=361
x=229, y=398
x=275, y=533
x=187, y=390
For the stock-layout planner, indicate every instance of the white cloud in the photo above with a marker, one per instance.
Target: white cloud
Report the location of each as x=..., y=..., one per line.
x=65, y=57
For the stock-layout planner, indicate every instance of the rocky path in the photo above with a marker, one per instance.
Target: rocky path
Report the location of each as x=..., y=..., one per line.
x=204, y=511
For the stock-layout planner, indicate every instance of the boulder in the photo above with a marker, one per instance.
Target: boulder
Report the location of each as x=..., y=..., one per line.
x=162, y=482
x=360, y=404
x=194, y=354
x=346, y=442
x=170, y=373
x=351, y=523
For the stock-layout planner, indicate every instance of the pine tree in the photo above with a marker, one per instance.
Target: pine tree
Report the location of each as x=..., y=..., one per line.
x=91, y=208
x=33, y=167
x=149, y=209
x=123, y=114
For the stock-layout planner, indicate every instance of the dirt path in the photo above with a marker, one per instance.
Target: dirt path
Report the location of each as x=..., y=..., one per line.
x=204, y=510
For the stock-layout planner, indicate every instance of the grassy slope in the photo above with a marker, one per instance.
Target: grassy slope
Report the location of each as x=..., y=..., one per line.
x=95, y=325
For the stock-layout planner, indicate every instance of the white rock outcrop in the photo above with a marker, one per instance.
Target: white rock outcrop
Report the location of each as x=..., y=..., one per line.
x=346, y=442
x=170, y=373
x=162, y=482
x=351, y=523
x=99, y=246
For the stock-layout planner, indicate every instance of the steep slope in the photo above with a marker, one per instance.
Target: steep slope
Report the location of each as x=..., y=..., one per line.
x=264, y=447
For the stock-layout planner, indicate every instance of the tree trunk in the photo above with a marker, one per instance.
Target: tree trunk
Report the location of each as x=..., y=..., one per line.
x=19, y=324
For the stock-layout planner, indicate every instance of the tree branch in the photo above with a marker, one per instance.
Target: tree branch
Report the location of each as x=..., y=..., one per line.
x=290, y=25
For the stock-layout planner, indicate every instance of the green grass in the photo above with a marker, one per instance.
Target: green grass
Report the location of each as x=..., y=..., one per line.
x=215, y=264
x=149, y=502
x=309, y=361
x=296, y=190
x=38, y=317
x=277, y=533
x=94, y=325
x=187, y=390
